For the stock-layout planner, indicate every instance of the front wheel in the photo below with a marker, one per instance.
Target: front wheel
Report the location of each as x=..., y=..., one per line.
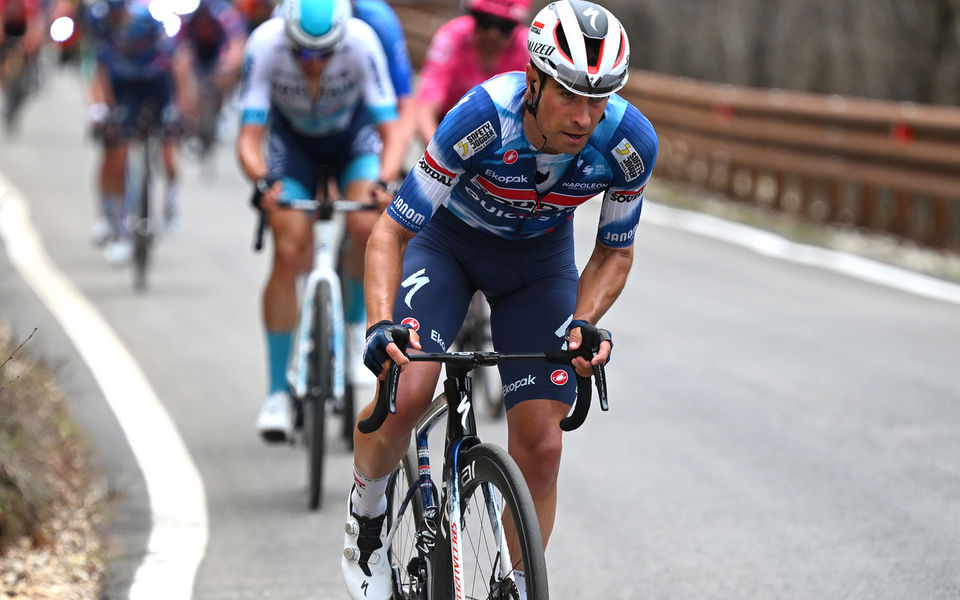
x=499, y=533
x=319, y=390
x=404, y=523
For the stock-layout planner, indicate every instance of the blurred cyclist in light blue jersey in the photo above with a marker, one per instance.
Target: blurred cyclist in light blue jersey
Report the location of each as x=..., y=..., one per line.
x=315, y=83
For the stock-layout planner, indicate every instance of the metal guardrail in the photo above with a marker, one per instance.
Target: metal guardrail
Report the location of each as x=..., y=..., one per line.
x=890, y=167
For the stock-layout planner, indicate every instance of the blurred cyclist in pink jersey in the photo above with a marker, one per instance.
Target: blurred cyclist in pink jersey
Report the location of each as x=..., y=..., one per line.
x=490, y=39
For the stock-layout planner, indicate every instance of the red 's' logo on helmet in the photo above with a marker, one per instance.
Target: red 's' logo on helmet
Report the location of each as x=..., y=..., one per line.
x=559, y=377
x=413, y=323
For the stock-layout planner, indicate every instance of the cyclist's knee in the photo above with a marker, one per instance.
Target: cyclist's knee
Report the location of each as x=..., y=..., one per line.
x=291, y=256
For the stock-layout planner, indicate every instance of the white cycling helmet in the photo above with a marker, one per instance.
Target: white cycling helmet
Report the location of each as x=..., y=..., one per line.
x=581, y=45
x=316, y=24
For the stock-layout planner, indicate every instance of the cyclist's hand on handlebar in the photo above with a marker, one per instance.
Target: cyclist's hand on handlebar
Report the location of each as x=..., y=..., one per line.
x=268, y=190
x=380, y=349
x=382, y=193
x=601, y=355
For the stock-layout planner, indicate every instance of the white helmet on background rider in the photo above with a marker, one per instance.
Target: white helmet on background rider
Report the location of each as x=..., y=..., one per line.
x=581, y=45
x=316, y=24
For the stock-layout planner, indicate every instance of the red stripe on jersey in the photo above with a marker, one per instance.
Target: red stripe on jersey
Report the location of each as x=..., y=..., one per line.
x=508, y=193
x=566, y=199
x=629, y=192
x=434, y=165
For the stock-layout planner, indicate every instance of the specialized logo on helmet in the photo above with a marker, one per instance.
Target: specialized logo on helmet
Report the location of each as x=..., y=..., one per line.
x=540, y=48
x=413, y=323
x=559, y=377
x=629, y=159
x=476, y=140
x=536, y=27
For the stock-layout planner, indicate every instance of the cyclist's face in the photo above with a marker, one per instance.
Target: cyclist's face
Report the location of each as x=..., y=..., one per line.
x=312, y=62
x=492, y=34
x=565, y=119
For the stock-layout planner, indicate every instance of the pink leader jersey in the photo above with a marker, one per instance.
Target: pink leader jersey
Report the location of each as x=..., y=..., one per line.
x=452, y=65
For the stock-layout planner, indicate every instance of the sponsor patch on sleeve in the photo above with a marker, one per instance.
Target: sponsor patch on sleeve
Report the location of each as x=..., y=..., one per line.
x=476, y=140
x=629, y=159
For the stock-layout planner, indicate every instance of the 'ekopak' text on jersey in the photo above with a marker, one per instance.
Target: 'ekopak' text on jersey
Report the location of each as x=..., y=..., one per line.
x=481, y=166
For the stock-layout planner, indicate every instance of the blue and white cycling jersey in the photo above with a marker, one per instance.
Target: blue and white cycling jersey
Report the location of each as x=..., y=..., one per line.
x=355, y=78
x=481, y=166
x=379, y=15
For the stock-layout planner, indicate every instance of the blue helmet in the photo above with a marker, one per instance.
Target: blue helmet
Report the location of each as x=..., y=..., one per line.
x=316, y=24
x=142, y=26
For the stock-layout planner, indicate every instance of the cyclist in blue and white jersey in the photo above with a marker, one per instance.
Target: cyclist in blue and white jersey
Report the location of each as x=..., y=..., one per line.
x=490, y=207
x=316, y=79
x=138, y=67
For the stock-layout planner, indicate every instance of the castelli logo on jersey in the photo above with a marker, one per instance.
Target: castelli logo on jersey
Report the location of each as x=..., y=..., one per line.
x=510, y=157
x=413, y=323
x=559, y=377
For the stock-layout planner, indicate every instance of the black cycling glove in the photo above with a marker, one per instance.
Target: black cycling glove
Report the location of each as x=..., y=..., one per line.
x=379, y=337
x=605, y=335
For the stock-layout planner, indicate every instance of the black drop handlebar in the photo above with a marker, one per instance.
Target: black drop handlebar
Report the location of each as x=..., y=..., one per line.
x=324, y=211
x=465, y=361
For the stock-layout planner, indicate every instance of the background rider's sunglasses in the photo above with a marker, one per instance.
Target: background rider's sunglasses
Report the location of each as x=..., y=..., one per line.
x=307, y=54
x=488, y=21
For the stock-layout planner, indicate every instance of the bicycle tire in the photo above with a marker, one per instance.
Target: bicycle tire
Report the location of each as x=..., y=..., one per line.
x=347, y=408
x=141, y=227
x=319, y=389
x=483, y=467
x=404, y=527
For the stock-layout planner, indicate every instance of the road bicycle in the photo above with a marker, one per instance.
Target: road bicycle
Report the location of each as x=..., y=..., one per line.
x=475, y=335
x=321, y=359
x=142, y=154
x=467, y=539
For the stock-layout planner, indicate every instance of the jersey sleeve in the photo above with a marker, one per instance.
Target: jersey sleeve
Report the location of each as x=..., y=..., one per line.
x=378, y=92
x=255, y=79
x=630, y=153
x=464, y=133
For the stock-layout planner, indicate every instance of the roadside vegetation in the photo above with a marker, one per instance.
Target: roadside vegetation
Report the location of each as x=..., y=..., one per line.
x=49, y=502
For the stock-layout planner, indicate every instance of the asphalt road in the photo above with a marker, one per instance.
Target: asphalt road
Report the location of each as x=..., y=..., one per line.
x=776, y=431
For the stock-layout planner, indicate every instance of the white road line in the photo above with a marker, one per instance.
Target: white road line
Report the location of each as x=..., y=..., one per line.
x=178, y=506
x=773, y=245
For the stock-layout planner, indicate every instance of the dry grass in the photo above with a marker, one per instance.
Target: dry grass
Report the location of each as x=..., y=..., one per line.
x=49, y=505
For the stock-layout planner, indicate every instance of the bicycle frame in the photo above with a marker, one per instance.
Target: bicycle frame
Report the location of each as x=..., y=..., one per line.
x=461, y=435
x=326, y=235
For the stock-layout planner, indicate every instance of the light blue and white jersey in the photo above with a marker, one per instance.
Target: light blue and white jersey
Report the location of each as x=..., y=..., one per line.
x=355, y=77
x=480, y=165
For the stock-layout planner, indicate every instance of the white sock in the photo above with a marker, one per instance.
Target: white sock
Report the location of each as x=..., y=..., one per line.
x=369, y=495
x=521, y=580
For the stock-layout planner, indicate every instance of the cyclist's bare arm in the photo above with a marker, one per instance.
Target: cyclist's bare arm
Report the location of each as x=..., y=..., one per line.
x=250, y=155
x=601, y=282
x=231, y=61
x=427, y=119
x=101, y=92
x=391, y=160
x=382, y=273
x=186, y=88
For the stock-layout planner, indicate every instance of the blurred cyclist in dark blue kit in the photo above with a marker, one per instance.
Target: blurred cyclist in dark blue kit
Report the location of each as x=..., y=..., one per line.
x=138, y=68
